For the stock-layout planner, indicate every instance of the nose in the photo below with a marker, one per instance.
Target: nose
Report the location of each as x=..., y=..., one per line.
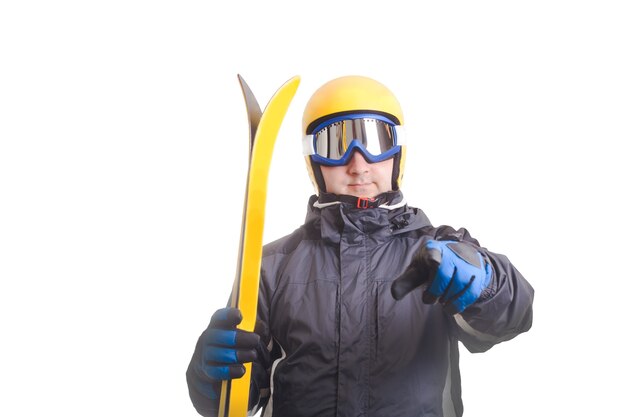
x=357, y=164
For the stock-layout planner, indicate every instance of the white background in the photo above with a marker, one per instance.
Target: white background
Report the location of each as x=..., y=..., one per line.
x=123, y=154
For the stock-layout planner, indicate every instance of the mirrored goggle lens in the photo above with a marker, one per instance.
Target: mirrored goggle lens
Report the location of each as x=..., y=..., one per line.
x=332, y=141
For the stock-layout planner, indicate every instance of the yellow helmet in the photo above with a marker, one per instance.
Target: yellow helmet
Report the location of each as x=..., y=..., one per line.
x=347, y=95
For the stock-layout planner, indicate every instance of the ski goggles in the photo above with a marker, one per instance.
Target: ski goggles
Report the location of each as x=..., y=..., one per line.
x=333, y=142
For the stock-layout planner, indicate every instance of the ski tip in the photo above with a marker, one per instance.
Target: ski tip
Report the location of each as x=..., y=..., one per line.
x=294, y=79
x=291, y=84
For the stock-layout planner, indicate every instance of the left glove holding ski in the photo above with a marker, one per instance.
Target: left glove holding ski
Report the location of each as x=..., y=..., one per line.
x=221, y=351
x=455, y=273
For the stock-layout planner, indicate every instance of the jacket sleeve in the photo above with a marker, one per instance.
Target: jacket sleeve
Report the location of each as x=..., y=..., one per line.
x=268, y=349
x=503, y=311
x=261, y=371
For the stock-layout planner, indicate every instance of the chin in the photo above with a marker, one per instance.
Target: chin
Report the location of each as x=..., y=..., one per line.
x=365, y=193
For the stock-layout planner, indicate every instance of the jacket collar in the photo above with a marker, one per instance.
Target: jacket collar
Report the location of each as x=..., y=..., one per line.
x=338, y=217
x=389, y=200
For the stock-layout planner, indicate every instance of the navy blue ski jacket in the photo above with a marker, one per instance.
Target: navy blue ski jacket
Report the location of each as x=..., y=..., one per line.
x=334, y=340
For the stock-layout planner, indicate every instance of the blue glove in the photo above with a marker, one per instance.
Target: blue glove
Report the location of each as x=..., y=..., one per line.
x=455, y=273
x=221, y=351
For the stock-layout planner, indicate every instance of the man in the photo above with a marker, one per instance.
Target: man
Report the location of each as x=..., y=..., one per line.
x=361, y=309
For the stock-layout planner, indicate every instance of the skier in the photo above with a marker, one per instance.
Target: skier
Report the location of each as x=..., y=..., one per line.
x=361, y=309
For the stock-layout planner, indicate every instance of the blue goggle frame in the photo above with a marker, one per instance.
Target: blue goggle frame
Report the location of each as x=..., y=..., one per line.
x=333, y=142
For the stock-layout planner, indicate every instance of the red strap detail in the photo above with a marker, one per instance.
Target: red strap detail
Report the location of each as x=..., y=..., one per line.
x=364, y=203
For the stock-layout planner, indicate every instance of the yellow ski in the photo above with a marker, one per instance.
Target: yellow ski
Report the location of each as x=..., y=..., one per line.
x=234, y=394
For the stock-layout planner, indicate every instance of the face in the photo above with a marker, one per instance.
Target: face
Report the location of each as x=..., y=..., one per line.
x=358, y=177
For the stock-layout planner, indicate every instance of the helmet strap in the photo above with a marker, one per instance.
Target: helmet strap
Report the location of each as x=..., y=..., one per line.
x=395, y=173
x=319, y=178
